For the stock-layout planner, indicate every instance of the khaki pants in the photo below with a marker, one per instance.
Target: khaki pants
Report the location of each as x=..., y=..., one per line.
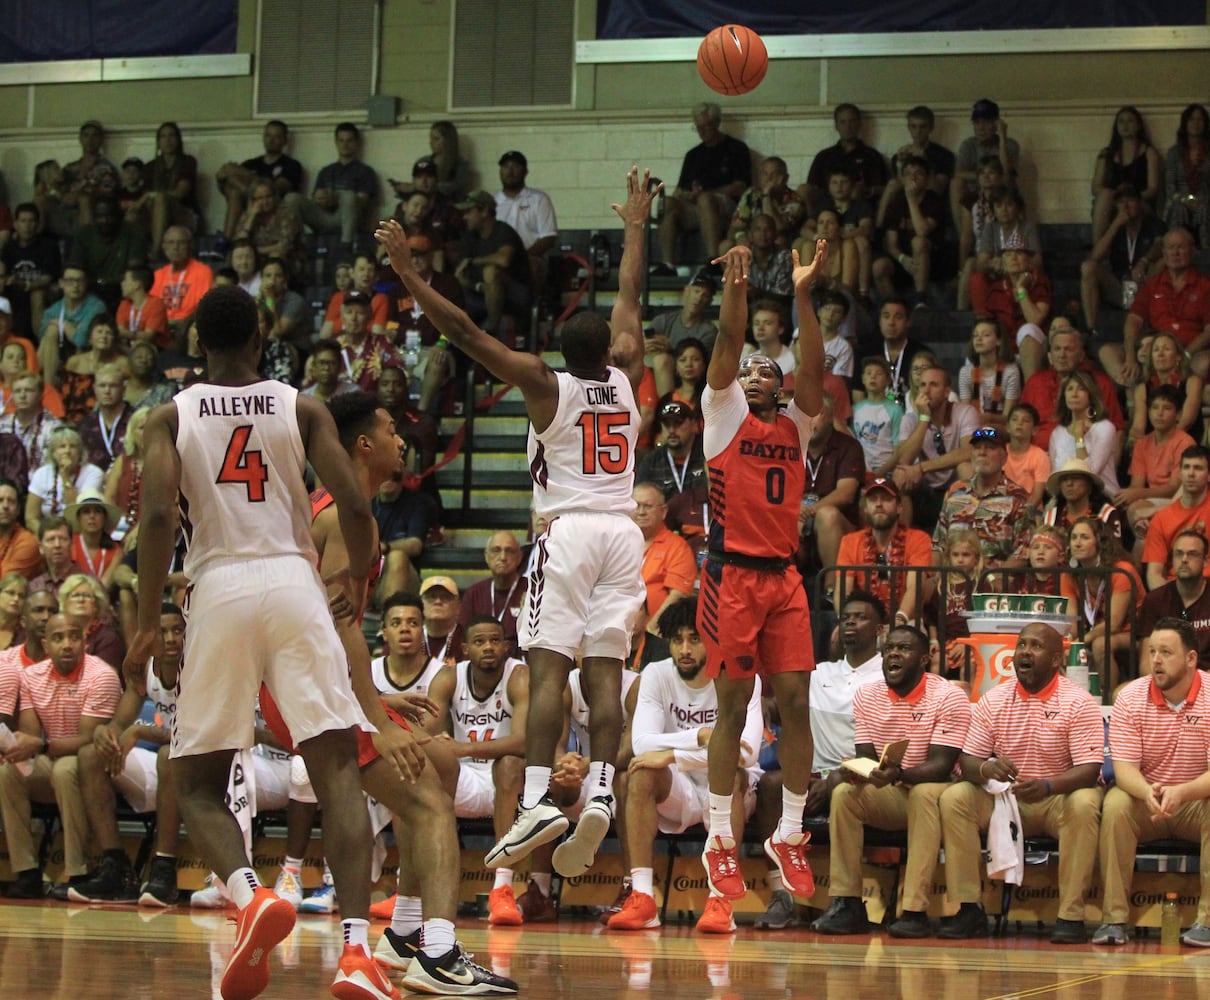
x=894, y=807
x=1125, y=823
x=1073, y=819
x=57, y=782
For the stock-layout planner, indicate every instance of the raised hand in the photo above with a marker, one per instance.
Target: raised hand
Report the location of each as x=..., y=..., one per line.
x=808, y=272
x=735, y=265
x=636, y=209
x=390, y=235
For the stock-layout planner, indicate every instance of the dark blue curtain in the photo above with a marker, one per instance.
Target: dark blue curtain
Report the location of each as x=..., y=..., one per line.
x=693, y=18
x=41, y=30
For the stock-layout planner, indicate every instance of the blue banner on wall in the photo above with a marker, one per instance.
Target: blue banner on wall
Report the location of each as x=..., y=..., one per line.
x=44, y=30
x=693, y=18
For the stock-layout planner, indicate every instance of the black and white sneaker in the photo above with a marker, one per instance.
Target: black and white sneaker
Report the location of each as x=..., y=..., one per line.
x=454, y=974
x=396, y=951
x=160, y=888
x=532, y=828
x=113, y=882
x=577, y=853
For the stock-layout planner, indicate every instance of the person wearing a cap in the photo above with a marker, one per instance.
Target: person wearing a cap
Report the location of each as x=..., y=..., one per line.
x=443, y=635
x=584, y=429
x=493, y=265
x=365, y=270
x=443, y=218
x=1076, y=491
x=275, y=165
x=364, y=353
x=30, y=263
x=990, y=139
x=92, y=519
x=345, y=190
x=713, y=175
x=669, y=328
x=529, y=211
x=677, y=465
x=1176, y=300
x=990, y=504
x=1191, y=509
x=1122, y=257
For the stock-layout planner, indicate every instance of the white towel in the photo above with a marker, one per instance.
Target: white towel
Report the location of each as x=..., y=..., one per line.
x=1005, y=841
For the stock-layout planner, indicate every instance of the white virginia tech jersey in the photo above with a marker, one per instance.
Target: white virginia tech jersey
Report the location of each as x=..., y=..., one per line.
x=384, y=685
x=242, y=462
x=584, y=461
x=476, y=721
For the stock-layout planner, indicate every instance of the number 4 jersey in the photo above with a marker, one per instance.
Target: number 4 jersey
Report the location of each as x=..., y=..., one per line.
x=584, y=461
x=242, y=493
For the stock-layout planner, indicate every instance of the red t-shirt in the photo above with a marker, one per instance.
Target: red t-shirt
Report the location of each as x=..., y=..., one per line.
x=1184, y=314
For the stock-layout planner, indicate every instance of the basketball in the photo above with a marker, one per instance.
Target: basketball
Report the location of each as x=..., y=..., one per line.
x=732, y=60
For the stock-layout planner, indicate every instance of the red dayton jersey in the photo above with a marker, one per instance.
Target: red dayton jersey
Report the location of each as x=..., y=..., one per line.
x=756, y=481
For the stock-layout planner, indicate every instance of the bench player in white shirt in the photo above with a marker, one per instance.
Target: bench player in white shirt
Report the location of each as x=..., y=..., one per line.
x=586, y=588
x=667, y=788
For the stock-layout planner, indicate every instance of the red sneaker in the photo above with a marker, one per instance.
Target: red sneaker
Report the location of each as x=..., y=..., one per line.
x=258, y=929
x=616, y=905
x=359, y=978
x=790, y=856
x=535, y=907
x=716, y=918
x=721, y=861
x=385, y=909
x=638, y=913
x=502, y=909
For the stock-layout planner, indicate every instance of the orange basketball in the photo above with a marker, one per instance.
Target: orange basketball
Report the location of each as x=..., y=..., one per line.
x=732, y=59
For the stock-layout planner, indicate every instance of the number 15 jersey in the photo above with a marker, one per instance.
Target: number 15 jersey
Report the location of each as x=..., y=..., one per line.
x=242, y=493
x=584, y=461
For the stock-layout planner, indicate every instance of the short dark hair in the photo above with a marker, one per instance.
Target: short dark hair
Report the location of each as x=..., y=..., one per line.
x=347, y=127
x=1184, y=629
x=51, y=523
x=842, y=108
x=1197, y=451
x=402, y=599
x=1165, y=391
x=865, y=597
x=922, y=640
x=354, y=414
x=1031, y=410
x=226, y=319
x=326, y=347
x=279, y=123
x=1194, y=533
x=5, y=481
x=832, y=297
x=483, y=620
x=913, y=160
x=143, y=275
x=168, y=608
x=27, y=206
x=585, y=340
x=923, y=112
x=678, y=615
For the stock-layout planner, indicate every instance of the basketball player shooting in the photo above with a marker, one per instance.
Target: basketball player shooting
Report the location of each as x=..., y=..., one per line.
x=586, y=589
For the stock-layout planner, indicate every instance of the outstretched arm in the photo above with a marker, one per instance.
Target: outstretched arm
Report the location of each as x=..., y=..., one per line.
x=732, y=318
x=626, y=345
x=808, y=385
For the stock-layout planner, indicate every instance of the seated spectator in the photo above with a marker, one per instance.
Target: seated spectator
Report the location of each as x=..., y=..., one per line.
x=1008, y=221
x=274, y=230
x=1076, y=491
x=54, y=545
x=905, y=703
x=677, y=466
x=19, y=551
x=669, y=328
x=850, y=156
x=278, y=358
x=1083, y=431
x=773, y=197
x=55, y=219
x=28, y=357
x=237, y=181
x=1155, y=462
x=453, y=172
x=839, y=272
x=30, y=265
x=713, y=175
x=169, y=187
x=291, y=317
x=1191, y=509
x=899, y=349
x=56, y=720
x=1049, y=559
x=666, y=788
x=442, y=221
x=1187, y=176
x=770, y=267
x=363, y=273
x=770, y=335
x=57, y=484
x=405, y=517
x=79, y=375
x=93, y=520
x=914, y=221
x=856, y=217
x=142, y=316
x=106, y=249
x=528, y=211
x=181, y=283
x=493, y=265
x=976, y=215
x=990, y=380
x=243, y=259
x=877, y=418
x=14, y=588
x=85, y=180
x=920, y=122
x=28, y=417
x=65, y=325
x=1175, y=300
x=1018, y=297
x=1185, y=596
x=1104, y=603
x=103, y=430
x=1027, y=465
x=345, y=193
x=124, y=481
x=1122, y=257
x=501, y=594
x=1166, y=364
x=833, y=309
x=669, y=571
x=418, y=430
x=131, y=188
x=1129, y=159
x=145, y=386
x=326, y=366
x=364, y=354
x=990, y=139
x=85, y=604
x=690, y=355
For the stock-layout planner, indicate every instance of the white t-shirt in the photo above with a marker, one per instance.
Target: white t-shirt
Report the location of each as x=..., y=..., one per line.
x=833, y=685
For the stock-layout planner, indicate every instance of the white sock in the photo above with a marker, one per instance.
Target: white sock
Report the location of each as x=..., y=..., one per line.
x=537, y=784
x=407, y=915
x=438, y=937
x=793, y=806
x=643, y=880
x=242, y=886
x=327, y=873
x=293, y=865
x=720, y=816
x=600, y=778
x=774, y=879
x=504, y=876
x=357, y=933
x=542, y=881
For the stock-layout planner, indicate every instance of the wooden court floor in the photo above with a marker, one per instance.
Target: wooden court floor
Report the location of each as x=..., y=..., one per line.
x=52, y=951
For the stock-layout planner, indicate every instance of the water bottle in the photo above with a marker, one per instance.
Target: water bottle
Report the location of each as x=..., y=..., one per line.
x=1170, y=920
x=411, y=349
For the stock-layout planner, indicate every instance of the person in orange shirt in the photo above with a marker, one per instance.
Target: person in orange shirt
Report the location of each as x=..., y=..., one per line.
x=141, y=315
x=364, y=270
x=181, y=283
x=669, y=569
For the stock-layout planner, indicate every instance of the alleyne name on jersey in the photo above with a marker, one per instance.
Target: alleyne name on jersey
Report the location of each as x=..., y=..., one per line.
x=237, y=406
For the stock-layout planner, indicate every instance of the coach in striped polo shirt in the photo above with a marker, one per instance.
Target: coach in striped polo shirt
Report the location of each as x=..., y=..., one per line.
x=1159, y=739
x=1045, y=737
x=933, y=715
